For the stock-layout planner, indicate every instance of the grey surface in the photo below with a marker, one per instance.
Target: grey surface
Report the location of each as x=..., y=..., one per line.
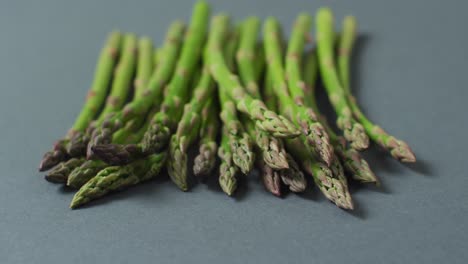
x=412, y=77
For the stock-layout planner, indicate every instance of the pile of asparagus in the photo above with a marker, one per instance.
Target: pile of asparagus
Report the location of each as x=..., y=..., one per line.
x=245, y=102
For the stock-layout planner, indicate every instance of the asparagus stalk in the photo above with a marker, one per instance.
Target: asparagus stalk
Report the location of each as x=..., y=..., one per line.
x=146, y=62
x=268, y=95
x=119, y=91
x=95, y=98
x=206, y=159
x=118, y=177
x=272, y=149
x=115, y=154
x=245, y=56
x=156, y=56
x=352, y=161
x=352, y=130
x=187, y=131
x=255, y=109
x=313, y=134
x=397, y=148
x=151, y=96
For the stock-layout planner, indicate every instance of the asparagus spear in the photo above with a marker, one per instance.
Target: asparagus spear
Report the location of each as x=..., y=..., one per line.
x=352, y=130
x=255, y=109
x=353, y=162
x=60, y=172
x=206, y=159
x=152, y=94
x=271, y=178
x=313, y=134
x=241, y=145
x=293, y=176
x=187, y=131
x=227, y=169
x=118, y=177
x=95, y=99
x=397, y=148
x=118, y=154
x=115, y=100
x=272, y=149
x=165, y=121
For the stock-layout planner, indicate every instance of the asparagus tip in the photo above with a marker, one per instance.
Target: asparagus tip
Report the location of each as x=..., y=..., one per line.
x=115, y=154
x=401, y=151
x=55, y=178
x=155, y=138
x=358, y=137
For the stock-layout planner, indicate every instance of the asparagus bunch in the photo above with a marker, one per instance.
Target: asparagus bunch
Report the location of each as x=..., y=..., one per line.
x=165, y=121
x=118, y=94
x=152, y=95
x=121, y=86
x=230, y=73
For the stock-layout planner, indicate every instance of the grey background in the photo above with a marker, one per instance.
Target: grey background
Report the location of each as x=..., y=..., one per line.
x=411, y=73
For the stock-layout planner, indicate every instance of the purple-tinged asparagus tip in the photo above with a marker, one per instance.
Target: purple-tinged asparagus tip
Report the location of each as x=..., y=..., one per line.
x=51, y=158
x=115, y=154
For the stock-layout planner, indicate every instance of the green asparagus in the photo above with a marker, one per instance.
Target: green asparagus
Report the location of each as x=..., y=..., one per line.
x=116, y=154
x=352, y=161
x=187, y=131
x=352, y=130
x=272, y=148
x=151, y=96
x=227, y=169
x=205, y=161
x=229, y=83
x=313, y=134
x=397, y=148
x=121, y=86
x=118, y=177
